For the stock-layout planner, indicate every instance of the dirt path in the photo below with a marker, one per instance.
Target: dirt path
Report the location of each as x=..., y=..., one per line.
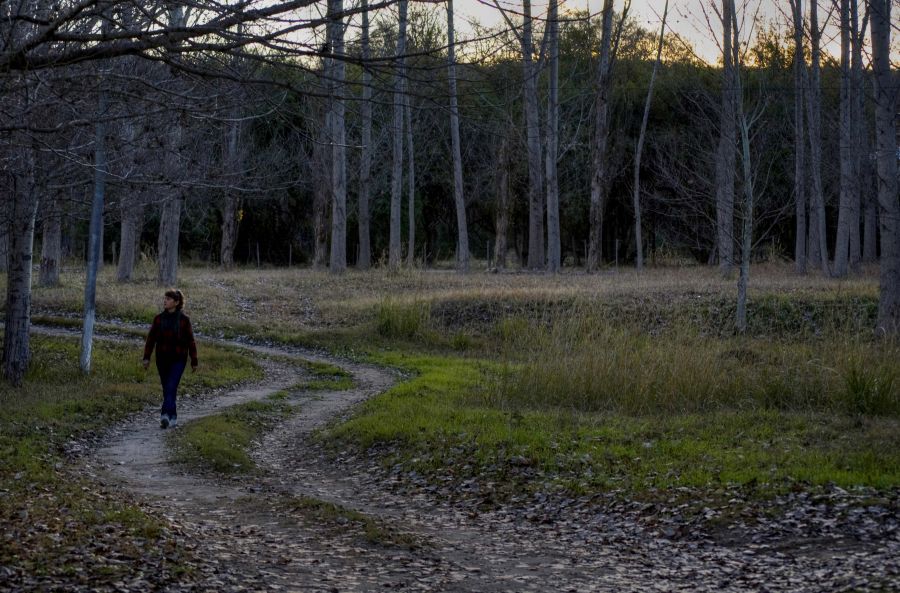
x=254, y=534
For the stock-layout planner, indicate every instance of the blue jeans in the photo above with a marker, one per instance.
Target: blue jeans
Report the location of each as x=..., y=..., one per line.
x=170, y=375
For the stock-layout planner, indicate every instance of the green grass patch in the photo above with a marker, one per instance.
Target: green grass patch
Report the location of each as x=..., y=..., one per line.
x=447, y=423
x=56, y=522
x=222, y=442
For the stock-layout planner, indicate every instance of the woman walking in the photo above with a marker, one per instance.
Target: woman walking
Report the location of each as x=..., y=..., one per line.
x=173, y=337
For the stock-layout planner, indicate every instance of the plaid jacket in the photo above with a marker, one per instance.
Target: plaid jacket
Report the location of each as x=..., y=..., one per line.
x=171, y=345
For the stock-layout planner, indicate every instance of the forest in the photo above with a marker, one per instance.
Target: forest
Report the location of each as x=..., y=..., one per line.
x=359, y=135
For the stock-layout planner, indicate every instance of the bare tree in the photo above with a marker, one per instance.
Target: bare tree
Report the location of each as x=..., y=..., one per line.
x=818, y=235
x=16, y=342
x=599, y=172
x=743, y=124
x=530, y=71
x=95, y=243
x=848, y=208
x=337, y=134
x=554, y=252
x=410, y=186
x=725, y=155
x=638, y=231
x=365, y=159
x=462, y=241
x=170, y=219
x=501, y=217
x=886, y=167
x=799, y=138
x=394, y=255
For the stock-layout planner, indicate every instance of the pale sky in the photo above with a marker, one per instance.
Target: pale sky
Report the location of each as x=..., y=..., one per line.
x=686, y=17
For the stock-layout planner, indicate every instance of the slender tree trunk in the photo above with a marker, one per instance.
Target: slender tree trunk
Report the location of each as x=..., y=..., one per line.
x=859, y=126
x=231, y=203
x=799, y=140
x=533, y=138
x=599, y=173
x=813, y=245
x=886, y=168
x=870, y=203
x=725, y=155
x=554, y=249
x=338, y=262
x=411, y=186
x=394, y=247
x=462, y=241
x=321, y=194
x=51, y=246
x=231, y=208
x=848, y=172
x=814, y=134
x=365, y=160
x=748, y=202
x=501, y=221
x=636, y=200
x=95, y=243
x=16, y=338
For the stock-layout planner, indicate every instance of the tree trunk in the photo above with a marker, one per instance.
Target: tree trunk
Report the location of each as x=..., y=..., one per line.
x=501, y=221
x=870, y=213
x=747, y=206
x=636, y=200
x=462, y=230
x=814, y=134
x=16, y=338
x=51, y=246
x=886, y=168
x=95, y=242
x=321, y=193
x=130, y=239
x=847, y=152
x=813, y=245
x=859, y=126
x=231, y=208
x=394, y=247
x=167, y=242
x=231, y=203
x=599, y=174
x=554, y=249
x=338, y=263
x=533, y=138
x=410, y=186
x=725, y=155
x=365, y=160
x=170, y=219
x=799, y=141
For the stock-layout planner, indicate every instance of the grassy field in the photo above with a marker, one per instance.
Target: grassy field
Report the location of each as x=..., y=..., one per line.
x=625, y=381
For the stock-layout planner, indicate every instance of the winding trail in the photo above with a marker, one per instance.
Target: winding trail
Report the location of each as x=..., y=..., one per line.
x=251, y=533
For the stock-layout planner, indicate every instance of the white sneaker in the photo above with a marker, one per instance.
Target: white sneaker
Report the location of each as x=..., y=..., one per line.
x=173, y=422
x=164, y=421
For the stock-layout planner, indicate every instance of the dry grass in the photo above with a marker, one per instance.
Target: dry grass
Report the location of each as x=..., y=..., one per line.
x=304, y=300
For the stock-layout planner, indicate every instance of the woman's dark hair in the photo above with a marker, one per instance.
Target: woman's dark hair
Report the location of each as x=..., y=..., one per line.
x=177, y=296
